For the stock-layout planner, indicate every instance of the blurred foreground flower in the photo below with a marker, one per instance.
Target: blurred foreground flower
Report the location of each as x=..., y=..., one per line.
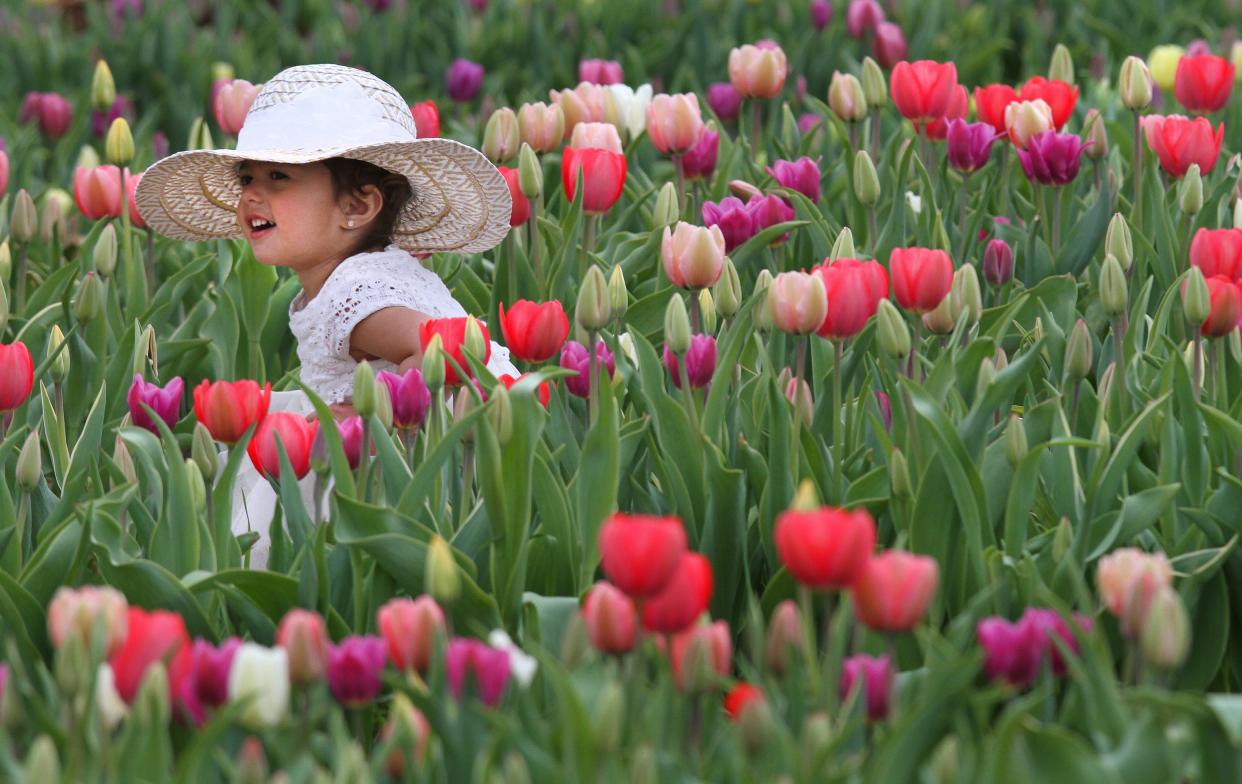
x=488, y=669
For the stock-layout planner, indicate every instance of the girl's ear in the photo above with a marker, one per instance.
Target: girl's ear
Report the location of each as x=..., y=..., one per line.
x=360, y=207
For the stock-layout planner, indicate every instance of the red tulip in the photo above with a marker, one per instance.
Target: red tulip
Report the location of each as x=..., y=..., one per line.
x=939, y=128
x=131, y=187
x=685, y=597
x=894, y=590
x=227, y=408
x=1226, y=307
x=1203, y=82
x=741, y=696
x=521, y=205
x=97, y=191
x=1214, y=252
x=1059, y=95
x=534, y=331
x=611, y=619
x=990, y=103
x=922, y=277
x=452, y=332
x=923, y=90
x=152, y=636
x=641, y=553
x=603, y=177
x=16, y=375
x=426, y=119
x=825, y=548
x=544, y=392
x=1179, y=142
x=409, y=627
x=304, y=637
x=296, y=436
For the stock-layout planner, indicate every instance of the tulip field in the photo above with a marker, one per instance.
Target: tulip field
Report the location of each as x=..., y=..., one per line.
x=878, y=414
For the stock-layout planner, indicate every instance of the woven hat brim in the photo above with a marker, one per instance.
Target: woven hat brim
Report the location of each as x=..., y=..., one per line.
x=461, y=202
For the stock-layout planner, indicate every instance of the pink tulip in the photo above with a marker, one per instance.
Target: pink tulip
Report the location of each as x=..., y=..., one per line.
x=862, y=16
x=895, y=590
x=51, y=110
x=600, y=135
x=97, y=191
x=601, y=72
x=463, y=80
x=410, y=397
x=674, y=122
x=725, y=100
x=131, y=188
x=541, y=126
x=4, y=172
x=876, y=676
x=700, y=160
x=354, y=669
x=611, y=619
x=889, y=46
x=409, y=627
x=701, y=657
x=733, y=220
x=574, y=356
x=797, y=302
x=208, y=683
x=165, y=401
x=801, y=175
x=693, y=256
x=232, y=103
x=488, y=667
x=585, y=103
x=1128, y=579
x=700, y=362
x=767, y=211
x=304, y=637
x=76, y=611
x=758, y=72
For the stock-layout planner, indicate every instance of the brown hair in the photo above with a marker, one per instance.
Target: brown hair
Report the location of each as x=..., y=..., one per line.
x=350, y=175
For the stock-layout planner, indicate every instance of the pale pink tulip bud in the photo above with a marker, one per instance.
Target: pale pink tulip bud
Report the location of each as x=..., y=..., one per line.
x=599, y=135
x=756, y=72
x=76, y=611
x=232, y=103
x=409, y=627
x=693, y=255
x=541, y=126
x=611, y=619
x=1024, y=119
x=585, y=103
x=784, y=635
x=744, y=190
x=302, y=633
x=846, y=98
x=797, y=302
x=1117, y=573
x=798, y=393
x=1151, y=576
x=674, y=122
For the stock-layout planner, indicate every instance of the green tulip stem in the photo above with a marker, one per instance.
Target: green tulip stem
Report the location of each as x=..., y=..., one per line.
x=511, y=266
x=1006, y=166
x=1136, y=217
x=681, y=184
x=873, y=230
x=1220, y=386
x=588, y=245
x=1118, y=390
x=19, y=530
x=1057, y=195
x=1196, y=369
x=961, y=215
x=688, y=395
x=838, y=431
x=810, y=648
x=467, y=484
x=853, y=131
x=536, y=257
x=593, y=380
x=19, y=287
x=696, y=316
x=150, y=260
x=363, y=461
x=756, y=128
x=875, y=137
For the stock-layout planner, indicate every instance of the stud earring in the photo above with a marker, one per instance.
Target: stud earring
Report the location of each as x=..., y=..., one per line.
x=350, y=224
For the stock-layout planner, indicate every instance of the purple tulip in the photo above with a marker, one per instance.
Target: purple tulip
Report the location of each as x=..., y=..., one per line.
x=208, y=683
x=700, y=362
x=601, y=72
x=379, y=6
x=801, y=175
x=575, y=357
x=166, y=402
x=463, y=80
x=1008, y=653
x=767, y=211
x=410, y=397
x=889, y=46
x=862, y=16
x=725, y=100
x=350, y=429
x=969, y=144
x=123, y=8
x=51, y=110
x=100, y=122
x=1198, y=47
x=354, y=669
x=733, y=218
x=998, y=262
x=807, y=121
x=1052, y=158
x=821, y=14
x=700, y=160
x=1041, y=623
x=488, y=666
x=877, y=682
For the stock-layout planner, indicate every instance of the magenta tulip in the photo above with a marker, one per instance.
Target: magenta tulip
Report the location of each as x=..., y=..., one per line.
x=165, y=402
x=487, y=666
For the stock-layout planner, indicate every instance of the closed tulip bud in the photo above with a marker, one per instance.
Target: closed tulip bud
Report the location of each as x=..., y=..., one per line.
x=500, y=414
x=104, y=254
x=474, y=343
x=1114, y=296
x=87, y=158
x=866, y=180
x=1097, y=135
x=592, y=311
x=151, y=705
x=1196, y=298
x=1117, y=241
x=707, y=309
x=198, y=488
x=441, y=577
x=983, y=381
x=939, y=320
x=1134, y=84
x=798, y=393
x=4, y=305
x=608, y=719
x=797, y=302
x=875, y=89
x=24, y=223
x=1237, y=214
x=762, y=317
x=1015, y=440
x=784, y=636
x=966, y=295
x=892, y=334
x=71, y=666
x=501, y=137
x=50, y=221
x=103, y=88
x=59, y=367
x=200, y=136
x=843, y=247
x=119, y=143
x=677, y=325
x=42, y=763
x=433, y=363
x=203, y=451
x=846, y=98
x=1062, y=66
x=251, y=767
x=530, y=172
x=666, y=212
x=364, y=390
x=1166, y=631
x=90, y=299
x=899, y=475
x=618, y=294
x=1078, y=352
x=1062, y=540
x=6, y=260
x=1190, y=191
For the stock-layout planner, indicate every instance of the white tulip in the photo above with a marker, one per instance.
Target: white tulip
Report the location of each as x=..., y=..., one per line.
x=632, y=107
x=261, y=675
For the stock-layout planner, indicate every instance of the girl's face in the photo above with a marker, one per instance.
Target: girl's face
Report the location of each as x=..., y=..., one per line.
x=290, y=214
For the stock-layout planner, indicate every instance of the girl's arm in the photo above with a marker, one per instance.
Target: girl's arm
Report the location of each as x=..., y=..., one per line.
x=391, y=334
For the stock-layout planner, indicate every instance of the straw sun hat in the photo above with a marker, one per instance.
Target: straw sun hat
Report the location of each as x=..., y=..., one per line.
x=315, y=112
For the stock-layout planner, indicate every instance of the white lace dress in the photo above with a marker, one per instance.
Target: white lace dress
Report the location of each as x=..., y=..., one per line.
x=358, y=287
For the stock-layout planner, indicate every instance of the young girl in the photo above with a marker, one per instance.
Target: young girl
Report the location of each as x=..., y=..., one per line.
x=330, y=179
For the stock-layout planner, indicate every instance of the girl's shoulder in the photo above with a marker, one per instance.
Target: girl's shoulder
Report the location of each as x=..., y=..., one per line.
x=368, y=281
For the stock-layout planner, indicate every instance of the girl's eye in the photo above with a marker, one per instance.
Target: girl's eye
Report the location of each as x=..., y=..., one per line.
x=276, y=175
x=245, y=180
